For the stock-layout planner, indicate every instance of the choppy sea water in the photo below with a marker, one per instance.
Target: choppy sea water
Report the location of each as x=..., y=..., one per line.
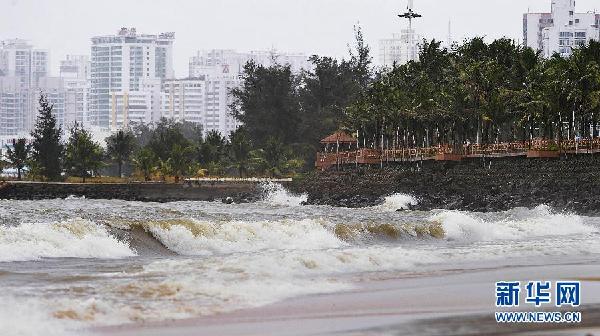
x=70, y=264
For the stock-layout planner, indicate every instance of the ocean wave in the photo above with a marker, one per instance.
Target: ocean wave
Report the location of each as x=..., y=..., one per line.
x=75, y=238
x=195, y=237
x=276, y=194
x=388, y=231
x=398, y=202
x=516, y=224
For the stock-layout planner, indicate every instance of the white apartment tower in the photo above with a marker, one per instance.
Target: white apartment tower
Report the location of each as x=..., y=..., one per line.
x=75, y=66
x=400, y=49
x=75, y=74
x=21, y=68
x=184, y=100
x=19, y=59
x=561, y=30
x=124, y=67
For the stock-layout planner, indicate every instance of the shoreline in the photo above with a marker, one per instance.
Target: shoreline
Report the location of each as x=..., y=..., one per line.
x=391, y=305
x=570, y=184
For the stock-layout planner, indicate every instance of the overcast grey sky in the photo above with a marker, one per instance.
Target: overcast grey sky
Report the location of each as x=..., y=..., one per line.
x=310, y=26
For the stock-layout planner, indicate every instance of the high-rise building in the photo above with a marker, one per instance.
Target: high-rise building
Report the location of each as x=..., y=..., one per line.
x=184, y=100
x=233, y=62
x=120, y=65
x=561, y=30
x=19, y=59
x=400, y=49
x=13, y=106
x=141, y=106
x=75, y=74
x=75, y=66
x=21, y=68
x=220, y=71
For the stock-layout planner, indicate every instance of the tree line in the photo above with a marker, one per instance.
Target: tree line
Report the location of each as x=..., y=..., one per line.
x=481, y=93
x=297, y=110
x=161, y=151
x=470, y=93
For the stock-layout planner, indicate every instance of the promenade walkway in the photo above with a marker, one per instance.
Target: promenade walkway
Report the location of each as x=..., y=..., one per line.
x=534, y=149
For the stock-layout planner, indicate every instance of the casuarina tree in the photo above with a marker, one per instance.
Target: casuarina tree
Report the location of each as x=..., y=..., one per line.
x=83, y=156
x=240, y=148
x=46, y=146
x=17, y=155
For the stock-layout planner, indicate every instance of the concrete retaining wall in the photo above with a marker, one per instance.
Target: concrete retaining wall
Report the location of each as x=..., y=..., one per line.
x=151, y=192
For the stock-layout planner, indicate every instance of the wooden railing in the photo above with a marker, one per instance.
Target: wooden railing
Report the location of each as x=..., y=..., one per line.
x=376, y=156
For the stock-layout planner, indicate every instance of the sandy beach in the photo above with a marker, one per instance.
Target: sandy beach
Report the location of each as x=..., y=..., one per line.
x=459, y=302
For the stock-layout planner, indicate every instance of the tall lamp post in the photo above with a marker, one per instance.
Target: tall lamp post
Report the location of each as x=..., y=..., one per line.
x=410, y=15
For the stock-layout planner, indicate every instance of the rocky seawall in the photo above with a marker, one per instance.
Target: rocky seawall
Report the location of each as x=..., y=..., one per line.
x=238, y=192
x=571, y=183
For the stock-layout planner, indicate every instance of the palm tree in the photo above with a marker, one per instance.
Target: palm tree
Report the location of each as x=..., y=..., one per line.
x=119, y=147
x=145, y=162
x=180, y=160
x=17, y=155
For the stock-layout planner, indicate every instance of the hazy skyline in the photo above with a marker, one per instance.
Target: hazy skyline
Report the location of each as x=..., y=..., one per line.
x=321, y=27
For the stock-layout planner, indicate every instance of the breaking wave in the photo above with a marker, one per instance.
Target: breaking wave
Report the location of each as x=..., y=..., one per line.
x=276, y=194
x=398, y=202
x=250, y=260
x=517, y=224
x=194, y=237
x=79, y=238
x=388, y=231
x=75, y=238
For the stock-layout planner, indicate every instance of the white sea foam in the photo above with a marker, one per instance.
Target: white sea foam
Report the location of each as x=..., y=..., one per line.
x=194, y=237
x=518, y=224
x=398, y=202
x=76, y=238
x=276, y=194
x=26, y=317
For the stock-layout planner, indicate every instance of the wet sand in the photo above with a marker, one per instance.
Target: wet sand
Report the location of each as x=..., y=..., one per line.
x=459, y=302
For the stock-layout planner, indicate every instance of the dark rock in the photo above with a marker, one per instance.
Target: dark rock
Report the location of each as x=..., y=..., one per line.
x=569, y=184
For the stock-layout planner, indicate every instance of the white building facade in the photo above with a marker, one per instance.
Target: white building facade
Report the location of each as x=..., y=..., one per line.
x=75, y=73
x=21, y=68
x=125, y=66
x=399, y=49
x=561, y=30
x=184, y=100
x=216, y=73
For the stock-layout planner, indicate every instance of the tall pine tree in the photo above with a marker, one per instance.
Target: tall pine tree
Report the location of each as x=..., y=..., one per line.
x=47, y=148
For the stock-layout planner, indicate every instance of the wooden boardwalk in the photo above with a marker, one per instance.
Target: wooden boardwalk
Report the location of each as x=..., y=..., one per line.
x=533, y=149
